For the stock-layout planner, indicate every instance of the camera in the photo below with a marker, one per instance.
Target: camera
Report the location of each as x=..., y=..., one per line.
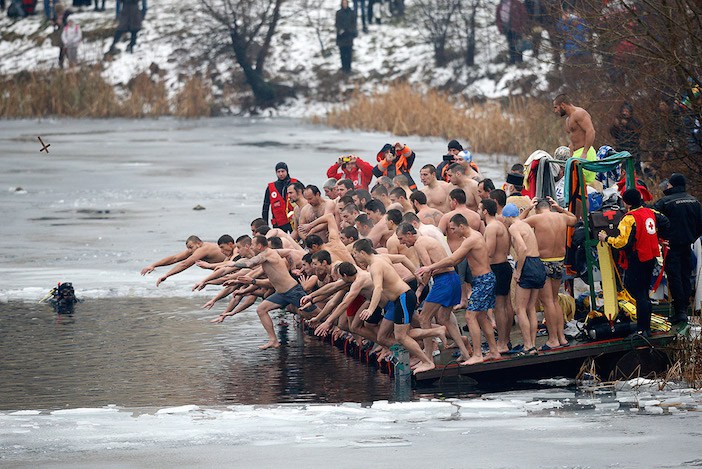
x=447, y=157
x=345, y=159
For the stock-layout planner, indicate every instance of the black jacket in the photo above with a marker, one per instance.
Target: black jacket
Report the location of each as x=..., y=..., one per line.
x=345, y=27
x=685, y=215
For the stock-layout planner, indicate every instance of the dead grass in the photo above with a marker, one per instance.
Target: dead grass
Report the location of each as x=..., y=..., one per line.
x=687, y=361
x=84, y=93
x=517, y=126
x=193, y=100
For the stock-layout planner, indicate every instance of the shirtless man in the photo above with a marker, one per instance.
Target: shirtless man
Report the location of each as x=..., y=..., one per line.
x=379, y=234
x=426, y=230
x=394, y=219
x=195, y=250
x=445, y=292
x=343, y=186
x=398, y=199
x=484, y=188
x=363, y=224
x=295, y=195
x=498, y=244
x=285, y=238
x=287, y=290
x=348, y=214
x=334, y=245
x=400, y=306
x=436, y=191
x=379, y=192
x=457, y=176
x=578, y=126
x=329, y=188
x=529, y=274
x=426, y=214
x=483, y=296
x=317, y=206
x=457, y=203
x=550, y=228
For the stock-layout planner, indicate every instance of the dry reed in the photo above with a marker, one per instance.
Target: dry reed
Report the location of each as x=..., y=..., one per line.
x=193, y=100
x=84, y=93
x=517, y=127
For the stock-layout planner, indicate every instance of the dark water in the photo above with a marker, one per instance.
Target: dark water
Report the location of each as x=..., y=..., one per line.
x=157, y=352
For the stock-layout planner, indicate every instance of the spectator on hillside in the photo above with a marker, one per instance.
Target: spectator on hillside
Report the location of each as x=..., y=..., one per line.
x=346, y=32
x=511, y=20
x=71, y=38
x=360, y=6
x=574, y=32
x=130, y=18
x=626, y=132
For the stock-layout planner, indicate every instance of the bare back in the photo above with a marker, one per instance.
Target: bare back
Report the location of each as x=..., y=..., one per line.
x=430, y=216
x=384, y=274
x=523, y=240
x=550, y=230
x=276, y=269
x=430, y=251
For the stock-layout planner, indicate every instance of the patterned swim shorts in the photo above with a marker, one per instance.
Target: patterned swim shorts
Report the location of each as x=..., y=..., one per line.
x=482, y=296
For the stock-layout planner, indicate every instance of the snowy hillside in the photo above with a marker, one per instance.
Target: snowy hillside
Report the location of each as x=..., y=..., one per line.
x=179, y=40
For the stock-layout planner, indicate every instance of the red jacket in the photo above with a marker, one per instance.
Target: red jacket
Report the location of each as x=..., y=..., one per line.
x=361, y=175
x=517, y=17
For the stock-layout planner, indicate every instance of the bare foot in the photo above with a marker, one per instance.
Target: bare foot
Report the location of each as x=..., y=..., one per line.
x=414, y=362
x=473, y=361
x=270, y=344
x=493, y=356
x=423, y=367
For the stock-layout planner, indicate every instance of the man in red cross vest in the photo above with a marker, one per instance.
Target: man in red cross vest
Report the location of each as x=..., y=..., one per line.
x=639, y=231
x=276, y=199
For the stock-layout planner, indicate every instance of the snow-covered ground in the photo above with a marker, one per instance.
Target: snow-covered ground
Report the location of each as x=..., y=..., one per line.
x=181, y=39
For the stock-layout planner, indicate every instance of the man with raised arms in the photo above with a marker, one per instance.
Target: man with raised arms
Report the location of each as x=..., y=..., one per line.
x=427, y=215
x=482, y=297
x=550, y=228
x=578, y=126
x=287, y=290
x=436, y=191
x=458, y=177
x=498, y=243
x=529, y=274
x=400, y=306
x=445, y=293
x=337, y=249
x=195, y=250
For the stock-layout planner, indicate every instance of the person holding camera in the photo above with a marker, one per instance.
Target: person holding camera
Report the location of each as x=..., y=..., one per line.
x=457, y=154
x=395, y=160
x=353, y=168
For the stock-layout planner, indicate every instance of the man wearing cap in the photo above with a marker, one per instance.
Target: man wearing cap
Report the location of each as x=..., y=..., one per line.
x=638, y=237
x=685, y=214
x=457, y=154
x=276, y=199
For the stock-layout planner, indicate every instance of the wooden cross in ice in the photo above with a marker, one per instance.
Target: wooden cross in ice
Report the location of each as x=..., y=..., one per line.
x=44, y=147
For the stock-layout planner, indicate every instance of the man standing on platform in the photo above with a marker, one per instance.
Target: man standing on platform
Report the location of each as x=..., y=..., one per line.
x=276, y=199
x=685, y=215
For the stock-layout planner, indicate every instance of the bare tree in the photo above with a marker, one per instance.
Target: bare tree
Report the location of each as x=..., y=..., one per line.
x=437, y=19
x=251, y=25
x=470, y=10
x=316, y=16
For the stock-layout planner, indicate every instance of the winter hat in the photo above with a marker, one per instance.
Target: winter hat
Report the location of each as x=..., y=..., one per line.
x=281, y=165
x=515, y=179
x=454, y=145
x=562, y=153
x=510, y=210
x=632, y=197
x=677, y=180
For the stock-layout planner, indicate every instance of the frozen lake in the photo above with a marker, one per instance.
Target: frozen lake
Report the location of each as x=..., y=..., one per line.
x=138, y=376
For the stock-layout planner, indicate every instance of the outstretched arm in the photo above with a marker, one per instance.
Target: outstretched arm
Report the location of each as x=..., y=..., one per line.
x=455, y=258
x=166, y=261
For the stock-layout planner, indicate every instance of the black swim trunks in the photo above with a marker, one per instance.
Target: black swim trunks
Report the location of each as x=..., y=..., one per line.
x=554, y=268
x=533, y=275
x=503, y=276
x=291, y=297
x=401, y=310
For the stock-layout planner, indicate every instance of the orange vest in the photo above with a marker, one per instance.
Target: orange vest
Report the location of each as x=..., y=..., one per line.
x=280, y=205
